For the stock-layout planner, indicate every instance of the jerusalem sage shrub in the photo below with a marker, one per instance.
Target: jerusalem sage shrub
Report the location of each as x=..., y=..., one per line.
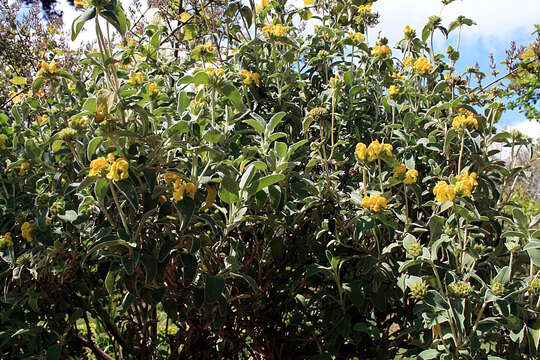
x=220, y=184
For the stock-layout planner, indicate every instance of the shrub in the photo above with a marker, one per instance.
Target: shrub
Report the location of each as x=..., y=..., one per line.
x=259, y=192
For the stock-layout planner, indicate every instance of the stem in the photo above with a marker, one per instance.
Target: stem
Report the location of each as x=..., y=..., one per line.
x=406, y=207
x=480, y=313
x=380, y=176
x=332, y=128
x=461, y=152
x=120, y=211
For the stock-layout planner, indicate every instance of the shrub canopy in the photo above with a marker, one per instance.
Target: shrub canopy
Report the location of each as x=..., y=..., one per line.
x=219, y=183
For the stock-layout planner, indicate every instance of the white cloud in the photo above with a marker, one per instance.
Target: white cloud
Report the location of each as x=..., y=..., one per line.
x=497, y=20
x=530, y=128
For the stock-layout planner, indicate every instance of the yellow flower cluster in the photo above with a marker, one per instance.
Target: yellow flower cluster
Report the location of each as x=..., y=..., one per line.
x=393, y=90
x=251, y=77
x=153, y=89
x=97, y=166
x=119, y=170
x=407, y=61
x=8, y=240
x=136, y=79
x=185, y=16
x=465, y=183
x=381, y=50
x=219, y=72
x=357, y=37
x=49, y=68
x=276, y=30
x=83, y=4
x=262, y=5
x=463, y=187
x=464, y=120
x=132, y=42
x=444, y=192
x=400, y=170
x=422, y=65
x=411, y=176
x=360, y=152
x=375, y=203
x=398, y=76
x=179, y=187
x=24, y=166
x=42, y=118
x=376, y=150
x=27, y=231
x=364, y=8
x=409, y=32
x=3, y=139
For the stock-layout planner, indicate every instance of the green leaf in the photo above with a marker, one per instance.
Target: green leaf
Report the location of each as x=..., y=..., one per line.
x=274, y=122
x=79, y=21
x=38, y=82
x=129, y=191
x=92, y=146
x=109, y=282
x=266, y=181
x=228, y=191
x=214, y=286
x=201, y=78
x=520, y=218
x=18, y=80
x=257, y=126
x=436, y=226
x=232, y=93
x=187, y=208
x=251, y=281
x=101, y=188
x=189, y=268
x=428, y=354
x=130, y=261
x=69, y=216
x=54, y=352
x=183, y=102
x=503, y=276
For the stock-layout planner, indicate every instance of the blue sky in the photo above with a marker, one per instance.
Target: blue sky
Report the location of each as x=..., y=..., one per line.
x=498, y=23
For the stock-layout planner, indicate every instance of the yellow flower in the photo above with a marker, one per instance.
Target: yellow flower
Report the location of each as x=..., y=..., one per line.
x=52, y=67
x=110, y=158
x=262, y=5
x=42, y=118
x=136, y=79
x=8, y=239
x=24, y=166
x=375, y=203
x=26, y=231
x=376, y=149
x=381, y=50
x=444, y=192
x=119, y=170
x=465, y=183
x=411, y=177
x=153, y=89
x=407, y=61
x=170, y=176
x=422, y=66
x=357, y=37
x=399, y=170
x=464, y=120
x=97, y=166
x=132, y=42
x=448, y=75
x=81, y=3
x=190, y=189
x=393, y=90
x=360, y=152
x=251, y=77
x=364, y=8
x=3, y=139
x=409, y=32
x=185, y=16
x=273, y=30
x=397, y=76
x=178, y=190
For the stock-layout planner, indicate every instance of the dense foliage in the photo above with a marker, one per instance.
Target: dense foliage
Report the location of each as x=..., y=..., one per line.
x=240, y=188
